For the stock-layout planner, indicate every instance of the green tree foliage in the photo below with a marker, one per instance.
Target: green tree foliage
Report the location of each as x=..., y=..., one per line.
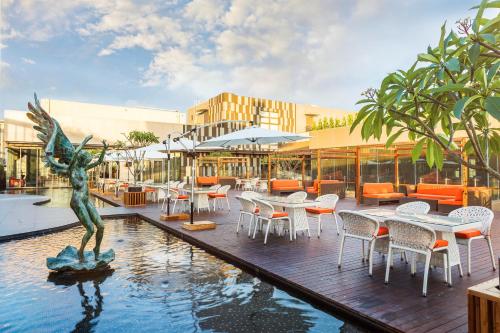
x=334, y=122
x=451, y=91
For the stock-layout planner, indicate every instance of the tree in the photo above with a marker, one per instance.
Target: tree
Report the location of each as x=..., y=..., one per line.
x=452, y=89
x=133, y=141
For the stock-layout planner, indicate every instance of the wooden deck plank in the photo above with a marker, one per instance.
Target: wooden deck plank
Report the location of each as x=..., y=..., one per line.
x=309, y=266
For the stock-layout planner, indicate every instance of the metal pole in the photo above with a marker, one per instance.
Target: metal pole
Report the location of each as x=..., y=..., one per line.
x=193, y=172
x=167, y=143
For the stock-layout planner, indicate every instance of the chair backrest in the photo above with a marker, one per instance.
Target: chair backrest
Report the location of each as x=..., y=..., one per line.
x=263, y=185
x=359, y=224
x=224, y=189
x=181, y=185
x=254, y=181
x=247, y=205
x=299, y=196
x=173, y=194
x=251, y=195
x=266, y=210
x=484, y=213
x=162, y=193
x=414, y=207
x=214, y=187
x=238, y=181
x=148, y=181
x=327, y=201
x=410, y=234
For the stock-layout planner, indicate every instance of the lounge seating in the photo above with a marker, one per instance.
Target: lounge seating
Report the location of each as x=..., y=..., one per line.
x=326, y=187
x=206, y=180
x=280, y=186
x=231, y=181
x=375, y=193
x=444, y=198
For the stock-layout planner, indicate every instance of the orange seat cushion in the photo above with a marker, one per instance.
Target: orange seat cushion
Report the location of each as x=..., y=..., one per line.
x=451, y=202
x=182, y=196
x=216, y=195
x=285, y=184
x=319, y=210
x=147, y=189
x=312, y=190
x=440, y=243
x=204, y=180
x=372, y=188
x=451, y=191
x=384, y=195
x=382, y=231
x=279, y=214
x=468, y=233
x=431, y=196
x=257, y=210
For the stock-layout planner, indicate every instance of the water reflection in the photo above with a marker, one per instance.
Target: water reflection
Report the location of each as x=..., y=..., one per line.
x=159, y=283
x=92, y=306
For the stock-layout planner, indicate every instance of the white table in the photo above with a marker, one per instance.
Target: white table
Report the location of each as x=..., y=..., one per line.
x=296, y=211
x=444, y=226
x=200, y=198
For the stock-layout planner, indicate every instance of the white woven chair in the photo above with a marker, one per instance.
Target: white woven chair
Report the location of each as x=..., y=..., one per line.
x=269, y=216
x=465, y=237
x=219, y=196
x=248, y=208
x=176, y=197
x=254, y=182
x=298, y=196
x=325, y=205
x=365, y=228
x=414, y=207
x=262, y=187
x=214, y=188
x=238, y=184
x=416, y=238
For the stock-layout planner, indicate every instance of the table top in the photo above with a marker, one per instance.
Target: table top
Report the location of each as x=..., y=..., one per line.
x=437, y=222
x=286, y=202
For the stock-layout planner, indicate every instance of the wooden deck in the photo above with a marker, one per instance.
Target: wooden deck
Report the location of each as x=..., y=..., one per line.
x=308, y=267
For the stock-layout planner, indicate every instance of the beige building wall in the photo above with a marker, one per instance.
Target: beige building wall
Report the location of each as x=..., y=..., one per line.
x=104, y=122
x=273, y=114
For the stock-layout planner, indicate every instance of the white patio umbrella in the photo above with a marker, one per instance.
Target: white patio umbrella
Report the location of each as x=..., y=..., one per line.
x=252, y=135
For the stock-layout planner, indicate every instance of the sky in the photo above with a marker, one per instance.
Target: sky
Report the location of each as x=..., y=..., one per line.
x=170, y=54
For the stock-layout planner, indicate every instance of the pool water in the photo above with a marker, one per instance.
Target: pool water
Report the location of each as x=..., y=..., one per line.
x=59, y=197
x=157, y=283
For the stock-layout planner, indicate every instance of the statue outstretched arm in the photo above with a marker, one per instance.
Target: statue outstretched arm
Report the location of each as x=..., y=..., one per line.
x=101, y=157
x=78, y=149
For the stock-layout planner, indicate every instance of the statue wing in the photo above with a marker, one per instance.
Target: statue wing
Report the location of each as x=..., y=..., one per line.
x=56, y=143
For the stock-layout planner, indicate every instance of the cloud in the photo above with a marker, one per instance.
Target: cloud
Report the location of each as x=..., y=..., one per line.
x=28, y=61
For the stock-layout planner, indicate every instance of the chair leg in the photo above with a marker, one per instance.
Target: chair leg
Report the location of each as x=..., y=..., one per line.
x=469, y=257
x=259, y=220
x=239, y=221
x=445, y=267
x=413, y=268
x=227, y=200
x=388, y=265
x=342, y=240
x=319, y=225
x=173, y=208
x=449, y=268
x=488, y=239
x=336, y=223
x=290, y=229
x=426, y=272
x=460, y=271
x=252, y=220
x=267, y=230
x=370, y=257
x=363, y=250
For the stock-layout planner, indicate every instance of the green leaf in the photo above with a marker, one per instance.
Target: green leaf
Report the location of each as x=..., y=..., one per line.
x=438, y=157
x=479, y=15
x=489, y=38
x=459, y=107
x=429, y=154
x=492, y=106
x=493, y=71
x=453, y=65
x=451, y=87
x=417, y=150
x=474, y=52
x=393, y=137
x=441, y=39
x=428, y=58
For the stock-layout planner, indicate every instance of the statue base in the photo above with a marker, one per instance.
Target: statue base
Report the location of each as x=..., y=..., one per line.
x=68, y=260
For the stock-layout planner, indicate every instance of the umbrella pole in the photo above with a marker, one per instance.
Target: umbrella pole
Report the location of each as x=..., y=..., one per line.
x=193, y=174
x=168, y=175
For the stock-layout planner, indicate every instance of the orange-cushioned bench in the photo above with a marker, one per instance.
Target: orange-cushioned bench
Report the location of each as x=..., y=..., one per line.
x=444, y=198
x=206, y=180
x=279, y=186
x=375, y=193
x=326, y=186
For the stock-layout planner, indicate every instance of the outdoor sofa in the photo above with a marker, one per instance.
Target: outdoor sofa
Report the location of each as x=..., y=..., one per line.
x=206, y=180
x=443, y=198
x=377, y=193
x=326, y=187
x=280, y=186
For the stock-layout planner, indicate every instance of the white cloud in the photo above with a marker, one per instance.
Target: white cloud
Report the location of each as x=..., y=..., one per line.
x=28, y=61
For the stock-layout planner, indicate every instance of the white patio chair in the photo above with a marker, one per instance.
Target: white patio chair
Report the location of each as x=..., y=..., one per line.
x=247, y=185
x=325, y=205
x=253, y=183
x=414, y=207
x=214, y=188
x=465, y=237
x=298, y=196
x=176, y=197
x=419, y=239
x=262, y=186
x=364, y=228
x=248, y=208
x=238, y=184
x=219, y=196
x=269, y=216
x=162, y=196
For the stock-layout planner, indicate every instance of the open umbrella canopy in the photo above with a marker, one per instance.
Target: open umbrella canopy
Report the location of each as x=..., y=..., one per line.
x=252, y=135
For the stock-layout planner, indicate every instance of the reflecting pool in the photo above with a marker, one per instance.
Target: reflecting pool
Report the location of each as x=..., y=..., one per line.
x=157, y=283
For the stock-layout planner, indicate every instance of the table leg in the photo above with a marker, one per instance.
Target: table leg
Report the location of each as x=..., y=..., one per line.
x=299, y=220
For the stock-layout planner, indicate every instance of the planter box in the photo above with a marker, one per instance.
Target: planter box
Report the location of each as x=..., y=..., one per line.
x=484, y=307
x=134, y=189
x=131, y=199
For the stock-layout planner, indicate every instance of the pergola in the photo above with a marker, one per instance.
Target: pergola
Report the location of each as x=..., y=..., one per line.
x=218, y=163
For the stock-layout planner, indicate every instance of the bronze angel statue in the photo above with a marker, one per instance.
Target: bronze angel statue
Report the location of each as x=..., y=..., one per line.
x=65, y=160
